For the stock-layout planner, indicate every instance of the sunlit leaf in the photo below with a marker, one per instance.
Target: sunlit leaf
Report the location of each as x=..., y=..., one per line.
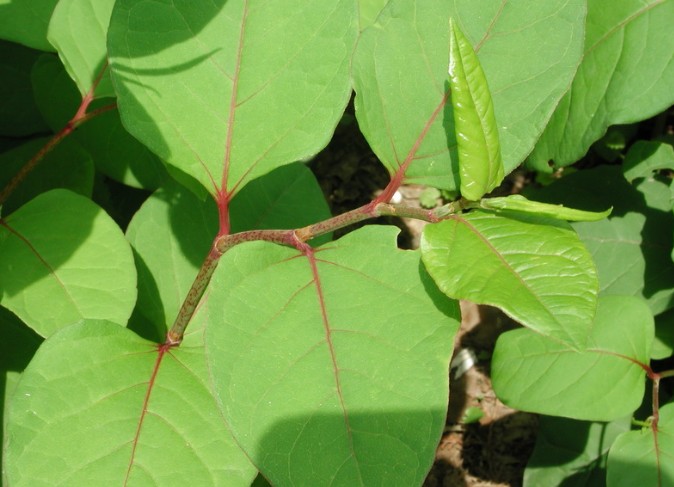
x=535, y=269
x=336, y=360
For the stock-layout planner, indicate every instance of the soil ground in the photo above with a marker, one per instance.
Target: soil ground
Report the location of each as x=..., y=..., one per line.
x=494, y=450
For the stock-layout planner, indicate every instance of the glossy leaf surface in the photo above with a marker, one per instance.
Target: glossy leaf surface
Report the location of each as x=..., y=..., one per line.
x=534, y=269
x=626, y=75
x=349, y=371
x=635, y=459
x=228, y=91
x=602, y=382
x=402, y=91
x=78, y=30
x=63, y=259
x=77, y=412
x=478, y=147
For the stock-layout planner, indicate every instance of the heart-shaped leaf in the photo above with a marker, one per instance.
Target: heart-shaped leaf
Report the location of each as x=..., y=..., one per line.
x=335, y=359
x=402, y=90
x=603, y=382
x=63, y=259
x=228, y=91
x=533, y=268
x=100, y=406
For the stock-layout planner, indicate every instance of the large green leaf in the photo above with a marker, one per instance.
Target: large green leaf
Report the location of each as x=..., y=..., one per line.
x=114, y=151
x=478, y=147
x=26, y=22
x=228, y=91
x=100, y=406
x=533, y=268
x=632, y=247
x=78, y=30
x=400, y=77
x=62, y=259
x=603, y=382
x=18, y=114
x=626, y=76
x=572, y=453
x=331, y=367
x=639, y=458
x=67, y=166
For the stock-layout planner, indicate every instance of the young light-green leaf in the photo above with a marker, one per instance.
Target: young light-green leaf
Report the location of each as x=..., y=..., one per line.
x=62, y=259
x=602, y=382
x=95, y=407
x=478, y=147
x=339, y=362
x=520, y=204
x=533, y=268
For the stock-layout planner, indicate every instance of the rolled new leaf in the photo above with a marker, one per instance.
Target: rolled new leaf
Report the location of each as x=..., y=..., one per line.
x=519, y=203
x=480, y=162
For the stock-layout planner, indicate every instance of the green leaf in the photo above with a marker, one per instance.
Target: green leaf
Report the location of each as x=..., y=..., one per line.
x=632, y=247
x=26, y=22
x=519, y=203
x=63, y=259
x=402, y=90
x=645, y=157
x=227, y=92
x=638, y=458
x=18, y=114
x=349, y=371
x=547, y=282
x=78, y=30
x=68, y=166
x=571, y=453
x=114, y=151
x=663, y=345
x=479, y=151
x=626, y=76
x=602, y=382
x=100, y=406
